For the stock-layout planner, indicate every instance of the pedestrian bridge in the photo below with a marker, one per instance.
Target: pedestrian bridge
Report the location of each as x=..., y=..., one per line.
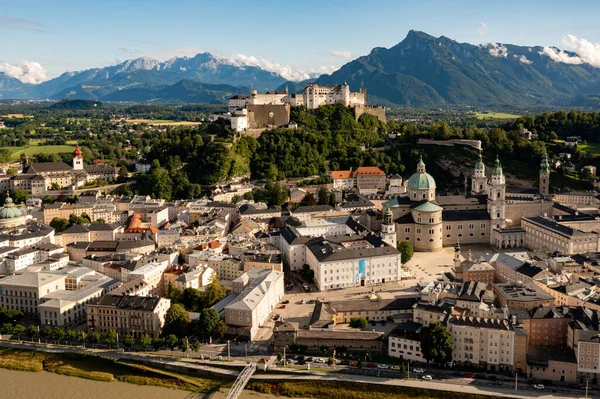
x=241, y=381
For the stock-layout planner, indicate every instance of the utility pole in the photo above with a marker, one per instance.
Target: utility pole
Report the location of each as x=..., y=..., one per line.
x=587, y=384
x=246, y=350
x=228, y=352
x=408, y=370
x=284, y=358
x=516, y=381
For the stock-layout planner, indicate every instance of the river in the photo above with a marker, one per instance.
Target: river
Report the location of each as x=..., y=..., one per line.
x=28, y=385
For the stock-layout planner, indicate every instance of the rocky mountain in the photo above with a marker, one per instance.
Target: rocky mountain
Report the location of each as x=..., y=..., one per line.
x=143, y=73
x=423, y=70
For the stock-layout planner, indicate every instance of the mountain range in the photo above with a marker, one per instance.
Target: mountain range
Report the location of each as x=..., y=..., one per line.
x=421, y=70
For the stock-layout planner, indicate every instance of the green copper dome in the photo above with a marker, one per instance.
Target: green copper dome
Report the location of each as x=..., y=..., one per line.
x=421, y=180
x=544, y=166
x=479, y=165
x=498, y=168
x=9, y=211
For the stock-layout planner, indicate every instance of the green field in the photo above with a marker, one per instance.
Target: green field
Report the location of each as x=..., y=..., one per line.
x=591, y=148
x=495, y=115
x=15, y=152
x=163, y=122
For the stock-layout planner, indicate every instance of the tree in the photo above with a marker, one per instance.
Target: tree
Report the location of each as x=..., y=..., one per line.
x=192, y=299
x=406, y=251
x=57, y=334
x=208, y=319
x=174, y=294
x=214, y=292
x=358, y=322
x=586, y=174
x=110, y=338
x=94, y=337
x=123, y=173
x=45, y=331
x=71, y=335
x=308, y=273
x=59, y=224
x=279, y=356
x=220, y=329
x=308, y=200
x=145, y=341
x=177, y=321
x=235, y=199
x=157, y=343
x=19, y=196
x=81, y=336
x=436, y=343
x=55, y=186
x=7, y=328
x=11, y=171
x=183, y=345
x=31, y=332
x=330, y=360
x=171, y=341
x=129, y=341
x=196, y=346
x=18, y=330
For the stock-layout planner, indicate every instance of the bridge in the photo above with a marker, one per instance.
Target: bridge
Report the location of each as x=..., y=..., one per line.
x=241, y=381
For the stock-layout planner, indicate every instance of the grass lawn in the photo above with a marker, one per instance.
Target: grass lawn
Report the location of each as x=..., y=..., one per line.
x=15, y=152
x=352, y=390
x=591, y=148
x=16, y=116
x=101, y=369
x=495, y=115
x=163, y=122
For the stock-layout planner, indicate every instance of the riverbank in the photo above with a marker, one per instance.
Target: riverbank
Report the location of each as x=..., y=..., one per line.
x=102, y=369
x=353, y=390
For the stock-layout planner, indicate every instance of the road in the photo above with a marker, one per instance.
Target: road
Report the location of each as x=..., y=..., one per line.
x=456, y=385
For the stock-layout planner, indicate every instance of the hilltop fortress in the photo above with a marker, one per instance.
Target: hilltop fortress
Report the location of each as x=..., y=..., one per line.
x=272, y=109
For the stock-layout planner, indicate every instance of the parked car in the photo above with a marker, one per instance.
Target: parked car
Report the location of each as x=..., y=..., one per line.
x=497, y=382
x=383, y=366
x=418, y=371
x=427, y=377
x=319, y=360
x=303, y=301
x=354, y=363
x=396, y=368
x=541, y=387
x=276, y=316
x=301, y=362
x=309, y=359
x=305, y=286
x=371, y=365
x=285, y=302
x=457, y=374
x=469, y=375
x=492, y=377
x=282, y=307
x=480, y=376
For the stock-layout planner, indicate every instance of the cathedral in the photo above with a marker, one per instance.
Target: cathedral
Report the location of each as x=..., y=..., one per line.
x=487, y=215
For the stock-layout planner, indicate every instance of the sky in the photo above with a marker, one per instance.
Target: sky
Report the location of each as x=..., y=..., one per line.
x=40, y=39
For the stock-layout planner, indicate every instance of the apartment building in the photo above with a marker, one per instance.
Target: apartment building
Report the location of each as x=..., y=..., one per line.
x=548, y=235
x=404, y=342
x=397, y=309
x=126, y=314
x=485, y=343
x=23, y=291
x=521, y=296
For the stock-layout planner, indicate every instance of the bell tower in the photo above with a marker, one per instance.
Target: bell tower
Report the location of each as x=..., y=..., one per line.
x=77, y=159
x=544, y=176
x=479, y=183
x=497, y=198
x=388, y=228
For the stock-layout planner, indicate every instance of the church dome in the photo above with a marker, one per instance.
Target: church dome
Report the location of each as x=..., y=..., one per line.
x=9, y=211
x=498, y=168
x=479, y=165
x=421, y=180
x=77, y=152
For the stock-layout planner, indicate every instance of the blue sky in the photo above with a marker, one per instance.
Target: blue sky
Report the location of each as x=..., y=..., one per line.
x=307, y=35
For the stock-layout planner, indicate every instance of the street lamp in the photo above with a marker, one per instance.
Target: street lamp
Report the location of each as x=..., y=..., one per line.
x=284, y=358
x=228, y=352
x=587, y=383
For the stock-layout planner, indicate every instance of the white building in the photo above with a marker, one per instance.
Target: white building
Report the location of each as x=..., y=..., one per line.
x=404, y=342
x=259, y=291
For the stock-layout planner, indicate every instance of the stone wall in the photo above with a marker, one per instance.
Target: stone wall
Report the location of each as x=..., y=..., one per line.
x=268, y=115
x=379, y=112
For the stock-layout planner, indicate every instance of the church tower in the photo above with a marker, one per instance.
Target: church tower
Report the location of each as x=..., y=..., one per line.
x=388, y=228
x=478, y=180
x=497, y=198
x=77, y=159
x=544, y=176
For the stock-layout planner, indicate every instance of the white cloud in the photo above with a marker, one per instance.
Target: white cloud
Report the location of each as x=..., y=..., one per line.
x=286, y=71
x=588, y=52
x=340, y=53
x=524, y=60
x=27, y=72
x=561, y=56
x=483, y=28
x=497, y=50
